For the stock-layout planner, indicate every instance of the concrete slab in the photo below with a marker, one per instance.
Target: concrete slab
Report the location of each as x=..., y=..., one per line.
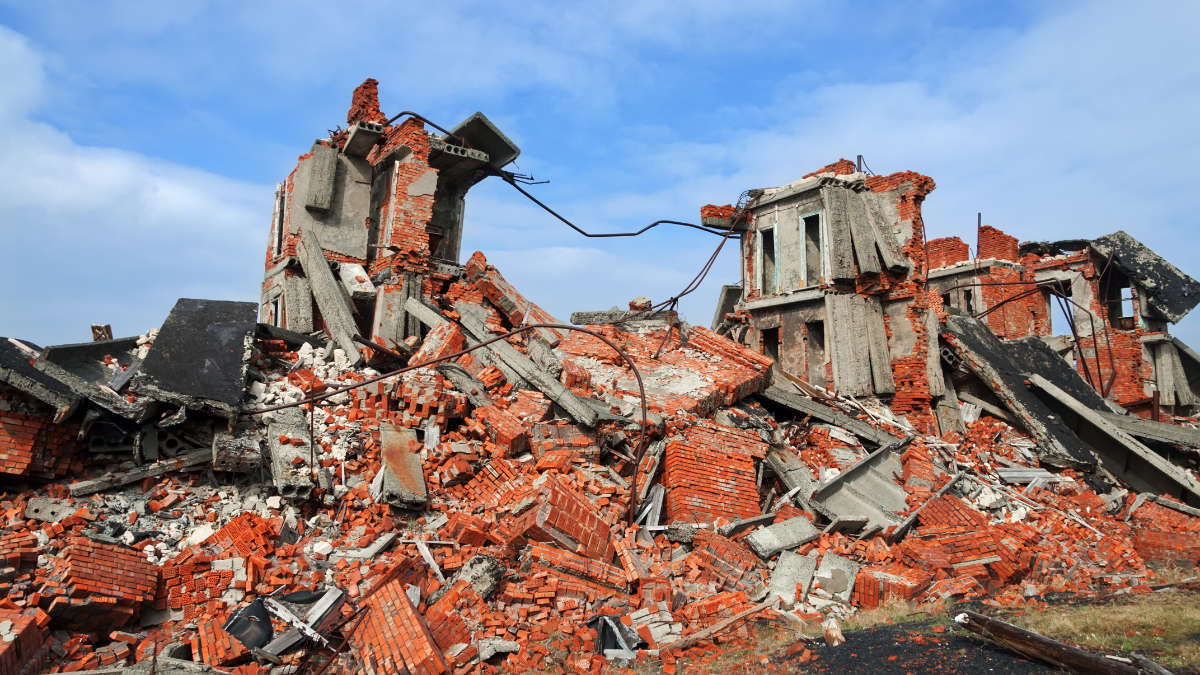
x=200, y=356
x=767, y=541
x=836, y=576
x=791, y=570
x=401, y=480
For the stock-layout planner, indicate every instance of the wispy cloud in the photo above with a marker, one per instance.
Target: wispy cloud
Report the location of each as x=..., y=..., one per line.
x=94, y=234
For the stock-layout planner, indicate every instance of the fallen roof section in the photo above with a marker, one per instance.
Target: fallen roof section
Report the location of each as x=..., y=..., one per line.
x=985, y=356
x=200, y=356
x=1123, y=455
x=1165, y=288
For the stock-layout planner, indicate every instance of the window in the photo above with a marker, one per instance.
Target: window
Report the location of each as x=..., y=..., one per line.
x=1119, y=298
x=770, y=343
x=277, y=246
x=276, y=314
x=946, y=304
x=814, y=252
x=770, y=273
x=814, y=352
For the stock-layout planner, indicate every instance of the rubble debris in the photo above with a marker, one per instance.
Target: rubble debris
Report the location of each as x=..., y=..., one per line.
x=980, y=351
x=360, y=482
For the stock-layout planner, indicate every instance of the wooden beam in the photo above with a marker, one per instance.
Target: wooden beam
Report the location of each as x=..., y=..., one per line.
x=1040, y=647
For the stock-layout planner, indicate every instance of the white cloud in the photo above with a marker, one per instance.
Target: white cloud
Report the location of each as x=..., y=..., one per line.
x=1080, y=125
x=96, y=234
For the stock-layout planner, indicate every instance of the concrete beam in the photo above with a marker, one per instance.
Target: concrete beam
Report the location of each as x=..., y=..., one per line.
x=807, y=406
x=556, y=391
x=1124, y=456
x=331, y=299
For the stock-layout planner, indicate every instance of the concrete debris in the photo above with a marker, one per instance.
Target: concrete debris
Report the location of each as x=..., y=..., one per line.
x=357, y=481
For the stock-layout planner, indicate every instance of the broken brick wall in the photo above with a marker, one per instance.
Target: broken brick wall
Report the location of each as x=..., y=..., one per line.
x=31, y=444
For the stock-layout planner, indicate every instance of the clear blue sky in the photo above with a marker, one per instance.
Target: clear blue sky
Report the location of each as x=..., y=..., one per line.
x=143, y=141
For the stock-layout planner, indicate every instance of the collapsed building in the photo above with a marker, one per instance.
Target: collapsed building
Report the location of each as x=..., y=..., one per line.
x=397, y=462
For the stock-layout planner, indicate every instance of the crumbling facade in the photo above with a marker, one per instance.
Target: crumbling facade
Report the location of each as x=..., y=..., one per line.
x=399, y=463
x=841, y=288
x=384, y=204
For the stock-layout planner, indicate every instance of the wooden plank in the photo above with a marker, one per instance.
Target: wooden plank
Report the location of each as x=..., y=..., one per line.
x=862, y=235
x=1040, y=647
x=841, y=258
x=881, y=357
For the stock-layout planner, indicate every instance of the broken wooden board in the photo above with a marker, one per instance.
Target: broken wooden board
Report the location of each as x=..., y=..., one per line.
x=1124, y=456
x=1040, y=647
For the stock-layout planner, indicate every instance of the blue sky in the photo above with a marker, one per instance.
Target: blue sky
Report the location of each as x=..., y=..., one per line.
x=144, y=140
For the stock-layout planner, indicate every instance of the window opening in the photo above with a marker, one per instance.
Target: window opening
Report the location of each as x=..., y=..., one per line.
x=814, y=352
x=769, y=273
x=813, y=249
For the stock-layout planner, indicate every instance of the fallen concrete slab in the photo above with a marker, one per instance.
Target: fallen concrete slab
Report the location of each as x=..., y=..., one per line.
x=777, y=393
x=1131, y=461
x=400, y=481
x=330, y=295
x=580, y=411
x=791, y=578
x=982, y=353
x=784, y=536
x=868, y=489
x=200, y=356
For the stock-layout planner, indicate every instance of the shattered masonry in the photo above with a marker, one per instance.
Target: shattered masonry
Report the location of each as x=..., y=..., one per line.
x=872, y=417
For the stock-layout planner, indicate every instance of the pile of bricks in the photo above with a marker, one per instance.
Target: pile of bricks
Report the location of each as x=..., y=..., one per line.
x=526, y=539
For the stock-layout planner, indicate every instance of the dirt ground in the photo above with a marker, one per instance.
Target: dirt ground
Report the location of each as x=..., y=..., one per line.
x=1164, y=626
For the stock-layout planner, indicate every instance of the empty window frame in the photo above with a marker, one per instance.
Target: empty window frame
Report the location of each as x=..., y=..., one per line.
x=814, y=248
x=814, y=352
x=277, y=229
x=1119, y=298
x=767, y=256
x=770, y=343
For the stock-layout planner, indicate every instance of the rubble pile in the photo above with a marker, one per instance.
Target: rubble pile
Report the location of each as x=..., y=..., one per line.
x=497, y=533
x=476, y=487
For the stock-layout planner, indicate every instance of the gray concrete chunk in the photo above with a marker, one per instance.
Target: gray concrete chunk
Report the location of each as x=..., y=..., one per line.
x=836, y=576
x=767, y=541
x=790, y=571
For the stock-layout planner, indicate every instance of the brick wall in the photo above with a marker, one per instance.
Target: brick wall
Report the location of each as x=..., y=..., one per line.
x=996, y=244
x=841, y=167
x=35, y=446
x=947, y=251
